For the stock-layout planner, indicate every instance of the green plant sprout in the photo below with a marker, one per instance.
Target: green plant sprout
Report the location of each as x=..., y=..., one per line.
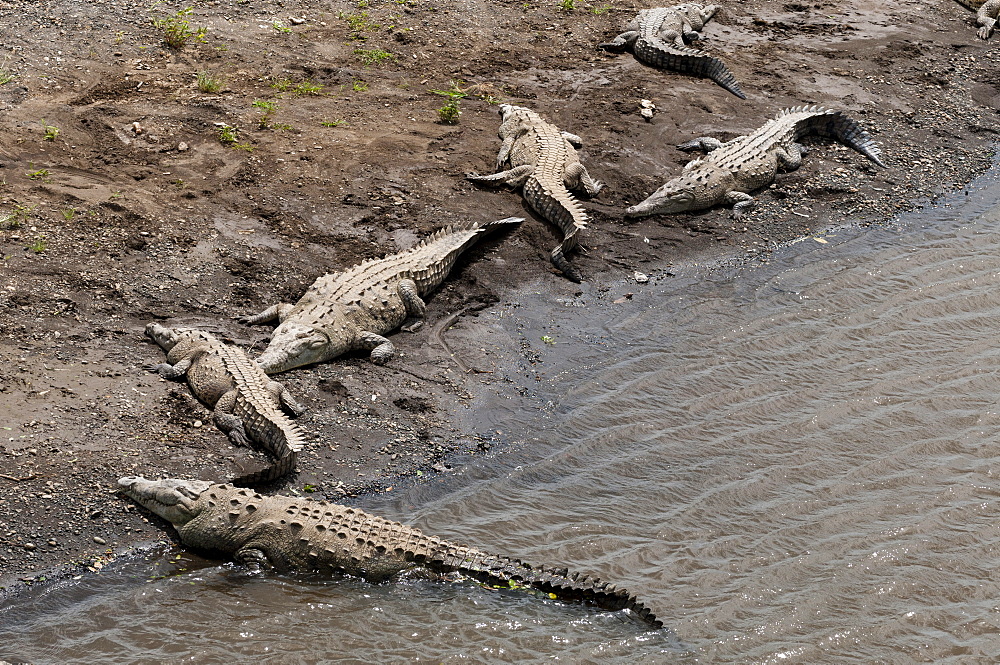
x=177, y=30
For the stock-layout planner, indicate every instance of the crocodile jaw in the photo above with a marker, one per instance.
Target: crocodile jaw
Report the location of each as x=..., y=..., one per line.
x=678, y=195
x=167, y=338
x=172, y=499
x=294, y=345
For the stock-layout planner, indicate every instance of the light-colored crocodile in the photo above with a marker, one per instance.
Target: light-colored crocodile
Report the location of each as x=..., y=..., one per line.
x=538, y=156
x=284, y=534
x=659, y=37
x=352, y=310
x=732, y=169
x=987, y=14
x=247, y=402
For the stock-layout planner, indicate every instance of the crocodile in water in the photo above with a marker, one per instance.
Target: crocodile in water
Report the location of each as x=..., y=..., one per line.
x=659, y=37
x=284, y=533
x=247, y=402
x=352, y=310
x=747, y=163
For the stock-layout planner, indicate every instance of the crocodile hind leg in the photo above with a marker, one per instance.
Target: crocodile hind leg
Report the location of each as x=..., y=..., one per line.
x=272, y=313
x=514, y=177
x=790, y=157
x=414, y=304
x=283, y=397
x=381, y=348
x=577, y=177
x=230, y=425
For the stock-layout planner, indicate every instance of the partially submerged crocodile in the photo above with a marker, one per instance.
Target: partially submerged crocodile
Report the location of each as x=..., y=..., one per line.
x=352, y=310
x=538, y=156
x=987, y=14
x=247, y=403
x=659, y=37
x=284, y=534
x=747, y=163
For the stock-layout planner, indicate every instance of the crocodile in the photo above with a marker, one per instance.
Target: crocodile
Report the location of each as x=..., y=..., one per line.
x=288, y=534
x=987, y=14
x=247, y=403
x=352, y=310
x=543, y=161
x=746, y=163
x=660, y=37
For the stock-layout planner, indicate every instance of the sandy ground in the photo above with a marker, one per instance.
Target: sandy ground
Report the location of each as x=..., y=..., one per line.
x=135, y=210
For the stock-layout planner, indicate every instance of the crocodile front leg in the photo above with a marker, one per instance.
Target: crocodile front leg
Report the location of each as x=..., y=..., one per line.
x=987, y=17
x=253, y=559
x=741, y=202
x=414, y=304
x=231, y=425
x=622, y=42
x=283, y=397
x=272, y=313
x=514, y=177
x=704, y=143
x=178, y=369
x=381, y=348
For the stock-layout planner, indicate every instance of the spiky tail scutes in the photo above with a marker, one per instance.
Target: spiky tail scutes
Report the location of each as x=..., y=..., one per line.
x=687, y=61
x=281, y=437
x=502, y=571
x=561, y=208
x=836, y=125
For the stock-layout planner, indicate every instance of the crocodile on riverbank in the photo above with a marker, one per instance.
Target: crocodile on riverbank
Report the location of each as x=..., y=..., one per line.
x=246, y=401
x=987, y=14
x=351, y=310
x=542, y=159
x=747, y=163
x=285, y=534
x=659, y=37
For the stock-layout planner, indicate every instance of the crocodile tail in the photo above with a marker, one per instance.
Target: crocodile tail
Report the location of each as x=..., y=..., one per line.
x=972, y=4
x=665, y=55
x=557, y=205
x=511, y=573
x=836, y=125
x=278, y=469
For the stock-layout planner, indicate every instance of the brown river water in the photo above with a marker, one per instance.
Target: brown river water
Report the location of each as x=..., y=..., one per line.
x=794, y=462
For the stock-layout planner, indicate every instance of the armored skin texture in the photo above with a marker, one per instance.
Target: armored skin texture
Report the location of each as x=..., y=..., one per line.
x=285, y=534
x=352, y=310
x=660, y=37
x=247, y=402
x=541, y=159
x=732, y=169
x=987, y=14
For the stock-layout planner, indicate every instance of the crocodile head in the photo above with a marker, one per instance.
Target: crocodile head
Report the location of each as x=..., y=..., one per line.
x=293, y=345
x=167, y=338
x=677, y=195
x=172, y=499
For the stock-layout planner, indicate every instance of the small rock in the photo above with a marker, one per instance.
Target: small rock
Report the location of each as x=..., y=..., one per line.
x=640, y=277
x=100, y=541
x=182, y=147
x=29, y=546
x=198, y=423
x=137, y=128
x=297, y=20
x=53, y=542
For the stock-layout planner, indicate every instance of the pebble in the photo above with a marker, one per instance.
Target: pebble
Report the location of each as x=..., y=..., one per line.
x=640, y=277
x=182, y=147
x=100, y=541
x=29, y=546
x=198, y=423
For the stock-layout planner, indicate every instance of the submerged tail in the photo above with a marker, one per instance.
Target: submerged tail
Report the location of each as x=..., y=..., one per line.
x=665, y=55
x=836, y=125
x=512, y=573
x=562, y=209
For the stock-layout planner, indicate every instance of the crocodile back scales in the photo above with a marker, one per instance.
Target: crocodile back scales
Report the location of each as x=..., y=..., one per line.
x=306, y=535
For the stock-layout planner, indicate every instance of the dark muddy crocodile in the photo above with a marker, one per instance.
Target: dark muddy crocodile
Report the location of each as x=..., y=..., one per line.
x=660, y=37
x=246, y=401
x=352, y=310
x=284, y=534
x=747, y=163
x=987, y=14
x=538, y=157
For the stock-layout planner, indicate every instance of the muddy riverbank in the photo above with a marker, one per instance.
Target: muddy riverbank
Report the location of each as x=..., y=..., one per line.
x=122, y=205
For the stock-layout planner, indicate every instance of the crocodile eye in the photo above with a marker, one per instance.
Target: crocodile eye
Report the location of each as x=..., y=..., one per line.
x=316, y=343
